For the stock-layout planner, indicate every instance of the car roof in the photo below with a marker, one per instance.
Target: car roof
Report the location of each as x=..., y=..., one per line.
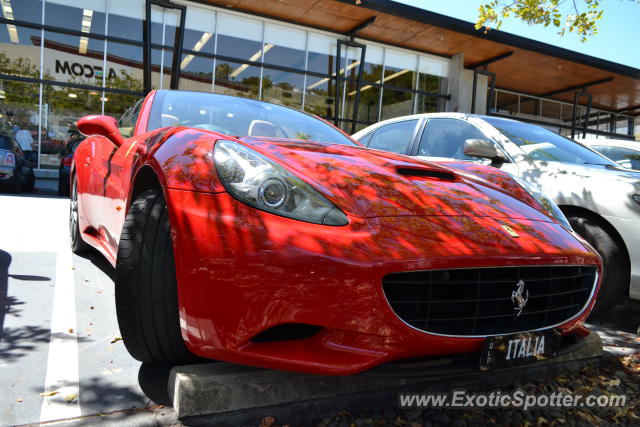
x=444, y=115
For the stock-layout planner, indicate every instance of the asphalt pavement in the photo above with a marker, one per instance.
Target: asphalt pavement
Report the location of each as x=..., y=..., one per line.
x=61, y=356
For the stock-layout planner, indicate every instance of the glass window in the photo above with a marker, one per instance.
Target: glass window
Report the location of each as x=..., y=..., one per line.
x=22, y=10
x=542, y=144
x=396, y=103
x=373, y=59
x=126, y=19
x=625, y=157
x=395, y=137
x=73, y=59
x=239, y=116
x=116, y=104
x=322, y=54
x=19, y=51
x=237, y=79
x=365, y=139
x=284, y=46
x=61, y=109
x=445, y=138
x=124, y=66
x=239, y=37
x=320, y=96
x=161, y=61
x=199, y=33
x=369, y=103
x=87, y=16
x=127, y=122
x=19, y=110
x=164, y=22
x=399, y=69
x=282, y=87
x=196, y=73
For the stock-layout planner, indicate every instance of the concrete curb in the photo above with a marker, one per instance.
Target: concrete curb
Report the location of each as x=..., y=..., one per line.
x=225, y=394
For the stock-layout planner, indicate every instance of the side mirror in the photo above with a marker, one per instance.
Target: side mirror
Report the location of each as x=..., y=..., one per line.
x=101, y=125
x=484, y=149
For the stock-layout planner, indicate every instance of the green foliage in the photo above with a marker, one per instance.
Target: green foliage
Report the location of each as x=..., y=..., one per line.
x=579, y=16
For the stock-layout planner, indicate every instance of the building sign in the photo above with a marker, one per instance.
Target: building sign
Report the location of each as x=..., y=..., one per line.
x=82, y=70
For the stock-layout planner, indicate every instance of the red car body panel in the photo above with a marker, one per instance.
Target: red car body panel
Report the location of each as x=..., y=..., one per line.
x=241, y=271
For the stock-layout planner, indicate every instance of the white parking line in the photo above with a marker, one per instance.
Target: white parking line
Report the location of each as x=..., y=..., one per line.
x=61, y=397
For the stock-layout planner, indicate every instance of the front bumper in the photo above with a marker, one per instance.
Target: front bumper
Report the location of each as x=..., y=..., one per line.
x=242, y=271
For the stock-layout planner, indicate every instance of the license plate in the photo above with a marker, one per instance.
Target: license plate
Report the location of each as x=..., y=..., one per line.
x=518, y=349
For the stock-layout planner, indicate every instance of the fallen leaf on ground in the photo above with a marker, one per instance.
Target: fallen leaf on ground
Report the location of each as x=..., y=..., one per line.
x=70, y=330
x=116, y=339
x=18, y=400
x=71, y=397
x=613, y=382
x=48, y=393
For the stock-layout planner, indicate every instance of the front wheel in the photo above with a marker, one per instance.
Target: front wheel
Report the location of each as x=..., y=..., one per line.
x=78, y=245
x=616, y=270
x=145, y=284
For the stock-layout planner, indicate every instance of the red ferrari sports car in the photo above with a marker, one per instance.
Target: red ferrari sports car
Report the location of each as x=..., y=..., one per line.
x=257, y=234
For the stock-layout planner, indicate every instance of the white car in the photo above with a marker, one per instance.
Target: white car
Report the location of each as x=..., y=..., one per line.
x=623, y=152
x=600, y=199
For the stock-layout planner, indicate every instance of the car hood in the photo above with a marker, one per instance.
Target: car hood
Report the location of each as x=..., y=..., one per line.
x=371, y=183
x=587, y=171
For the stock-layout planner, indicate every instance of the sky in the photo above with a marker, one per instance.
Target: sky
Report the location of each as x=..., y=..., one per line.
x=618, y=37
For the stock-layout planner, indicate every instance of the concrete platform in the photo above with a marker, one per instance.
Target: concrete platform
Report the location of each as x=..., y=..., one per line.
x=226, y=394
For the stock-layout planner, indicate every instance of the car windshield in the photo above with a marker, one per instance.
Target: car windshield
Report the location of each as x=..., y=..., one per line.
x=239, y=117
x=543, y=144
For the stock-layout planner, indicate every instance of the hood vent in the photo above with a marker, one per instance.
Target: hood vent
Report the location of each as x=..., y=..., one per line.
x=441, y=175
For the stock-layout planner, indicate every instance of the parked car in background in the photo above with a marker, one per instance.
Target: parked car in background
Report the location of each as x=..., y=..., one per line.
x=16, y=171
x=66, y=158
x=258, y=234
x=600, y=199
x=624, y=152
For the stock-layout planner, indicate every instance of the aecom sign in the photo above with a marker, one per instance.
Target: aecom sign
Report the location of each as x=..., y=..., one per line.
x=83, y=70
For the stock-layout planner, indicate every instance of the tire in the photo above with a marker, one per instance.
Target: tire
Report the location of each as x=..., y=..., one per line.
x=30, y=183
x=78, y=245
x=63, y=187
x=16, y=186
x=146, y=287
x=616, y=270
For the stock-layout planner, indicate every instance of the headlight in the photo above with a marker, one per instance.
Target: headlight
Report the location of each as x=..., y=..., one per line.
x=260, y=182
x=549, y=206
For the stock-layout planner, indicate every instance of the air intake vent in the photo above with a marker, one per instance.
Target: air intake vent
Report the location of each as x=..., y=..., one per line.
x=426, y=173
x=478, y=301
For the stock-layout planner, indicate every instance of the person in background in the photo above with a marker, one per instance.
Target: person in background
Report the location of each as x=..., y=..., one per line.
x=25, y=140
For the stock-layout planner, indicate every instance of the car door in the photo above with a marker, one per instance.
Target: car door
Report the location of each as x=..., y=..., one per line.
x=396, y=137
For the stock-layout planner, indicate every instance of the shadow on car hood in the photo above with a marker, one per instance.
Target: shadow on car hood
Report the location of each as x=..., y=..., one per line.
x=371, y=183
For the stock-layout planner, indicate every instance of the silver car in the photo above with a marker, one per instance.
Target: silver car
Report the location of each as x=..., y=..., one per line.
x=623, y=152
x=600, y=199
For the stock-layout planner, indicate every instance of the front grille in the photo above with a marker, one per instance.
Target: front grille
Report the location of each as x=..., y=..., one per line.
x=477, y=301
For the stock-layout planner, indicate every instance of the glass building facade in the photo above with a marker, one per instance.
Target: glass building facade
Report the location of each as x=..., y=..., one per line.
x=63, y=59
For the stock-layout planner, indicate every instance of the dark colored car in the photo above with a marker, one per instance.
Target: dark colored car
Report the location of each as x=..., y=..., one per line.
x=66, y=157
x=16, y=170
